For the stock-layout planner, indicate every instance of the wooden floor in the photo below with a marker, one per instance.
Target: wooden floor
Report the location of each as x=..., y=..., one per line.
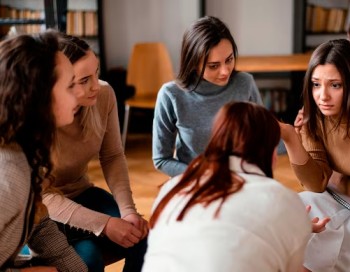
x=145, y=180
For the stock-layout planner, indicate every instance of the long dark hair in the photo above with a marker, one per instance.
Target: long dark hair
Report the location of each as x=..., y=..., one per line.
x=27, y=77
x=197, y=41
x=336, y=52
x=243, y=129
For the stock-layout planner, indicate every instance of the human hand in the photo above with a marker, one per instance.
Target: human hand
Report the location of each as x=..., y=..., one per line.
x=299, y=120
x=122, y=232
x=317, y=224
x=287, y=131
x=39, y=269
x=138, y=222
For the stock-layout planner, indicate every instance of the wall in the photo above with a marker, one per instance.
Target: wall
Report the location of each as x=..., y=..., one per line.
x=130, y=21
x=260, y=27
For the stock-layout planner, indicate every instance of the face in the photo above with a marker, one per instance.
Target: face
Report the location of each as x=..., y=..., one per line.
x=86, y=72
x=220, y=63
x=64, y=100
x=327, y=89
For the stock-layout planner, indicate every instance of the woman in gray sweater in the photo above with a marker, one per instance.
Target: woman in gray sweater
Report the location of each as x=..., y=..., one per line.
x=206, y=81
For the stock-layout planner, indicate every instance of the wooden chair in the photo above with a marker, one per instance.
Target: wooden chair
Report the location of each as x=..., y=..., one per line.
x=149, y=67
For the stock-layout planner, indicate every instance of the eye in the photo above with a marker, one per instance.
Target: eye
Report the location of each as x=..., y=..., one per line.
x=213, y=66
x=315, y=84
x=84, y=81
x=229, y=60
x=71, y=86
x=336, y=85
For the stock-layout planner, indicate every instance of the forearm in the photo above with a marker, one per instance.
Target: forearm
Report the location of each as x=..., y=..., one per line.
x=170, y=167
x=66, y=211
x=312, y=176
x=296, y=151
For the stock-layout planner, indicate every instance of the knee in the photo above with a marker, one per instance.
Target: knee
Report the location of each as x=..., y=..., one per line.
x=91, y=254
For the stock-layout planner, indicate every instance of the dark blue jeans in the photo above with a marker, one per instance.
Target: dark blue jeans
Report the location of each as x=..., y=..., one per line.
x=97, y=252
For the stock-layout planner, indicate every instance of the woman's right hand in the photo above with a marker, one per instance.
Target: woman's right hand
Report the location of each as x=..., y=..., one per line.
x=39, y=269
x=122, y=232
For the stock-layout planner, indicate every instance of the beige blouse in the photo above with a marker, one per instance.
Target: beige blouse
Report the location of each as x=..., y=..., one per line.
x=72, y=165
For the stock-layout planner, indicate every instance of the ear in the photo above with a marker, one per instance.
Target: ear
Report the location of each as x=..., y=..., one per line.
x=274, y=158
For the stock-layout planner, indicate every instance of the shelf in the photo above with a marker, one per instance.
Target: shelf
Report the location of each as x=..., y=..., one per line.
x=9, y=21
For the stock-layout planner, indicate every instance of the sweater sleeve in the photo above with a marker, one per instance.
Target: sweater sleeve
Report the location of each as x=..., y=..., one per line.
x=52, y=249
x=113, y=161
x=66, y=211
x=315, y=173
x=164, y=136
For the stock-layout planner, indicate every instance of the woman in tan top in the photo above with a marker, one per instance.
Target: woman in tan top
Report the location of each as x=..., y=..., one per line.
x=102, y=227
x=320, y=154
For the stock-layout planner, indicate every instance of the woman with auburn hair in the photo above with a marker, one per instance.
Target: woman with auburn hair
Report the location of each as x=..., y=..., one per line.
x=226, y=212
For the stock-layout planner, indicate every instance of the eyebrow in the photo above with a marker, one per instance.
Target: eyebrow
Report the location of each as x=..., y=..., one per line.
x=218, y=62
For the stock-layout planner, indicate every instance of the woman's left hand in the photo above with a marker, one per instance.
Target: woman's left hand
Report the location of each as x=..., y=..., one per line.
x=318, y=225
x=139, y=222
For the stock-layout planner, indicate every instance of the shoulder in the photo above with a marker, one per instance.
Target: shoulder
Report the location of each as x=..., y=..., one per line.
x=14, y=174
x=244, y=76
x=170, y=88
x=269, y=195
x=106, y=96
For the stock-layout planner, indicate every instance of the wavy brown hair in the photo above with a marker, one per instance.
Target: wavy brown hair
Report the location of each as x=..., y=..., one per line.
x=243, y=129
x=27, y=77
x=197, y=41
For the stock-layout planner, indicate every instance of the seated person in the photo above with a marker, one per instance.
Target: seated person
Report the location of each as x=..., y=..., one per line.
x=226, y=212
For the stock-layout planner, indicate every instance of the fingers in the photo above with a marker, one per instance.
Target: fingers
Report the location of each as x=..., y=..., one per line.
x=320, y=225
x=308, y=208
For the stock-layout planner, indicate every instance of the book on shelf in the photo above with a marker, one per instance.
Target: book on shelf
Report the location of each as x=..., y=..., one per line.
x=330, y=16
x=82, y=23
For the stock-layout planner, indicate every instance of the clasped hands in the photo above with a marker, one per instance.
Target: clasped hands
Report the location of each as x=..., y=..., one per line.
x=126, y=231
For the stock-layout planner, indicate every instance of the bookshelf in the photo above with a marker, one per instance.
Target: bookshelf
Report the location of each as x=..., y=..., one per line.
x=80, y=18
x=21, y=16
x=83, y=18
x=317, y=21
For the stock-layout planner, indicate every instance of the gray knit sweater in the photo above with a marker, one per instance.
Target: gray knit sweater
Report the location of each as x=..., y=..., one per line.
x=183, y=119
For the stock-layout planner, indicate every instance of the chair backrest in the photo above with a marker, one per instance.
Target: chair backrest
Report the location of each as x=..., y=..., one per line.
x=149, y=67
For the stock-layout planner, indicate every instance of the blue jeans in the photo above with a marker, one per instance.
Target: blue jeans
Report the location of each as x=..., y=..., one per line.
x=95, y=251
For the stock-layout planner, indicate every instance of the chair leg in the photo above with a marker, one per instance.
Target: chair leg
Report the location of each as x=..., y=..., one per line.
x=126, y=124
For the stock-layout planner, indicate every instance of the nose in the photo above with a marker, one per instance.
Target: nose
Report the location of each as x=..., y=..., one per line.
x=324, y=95
x=95, y=85
x=225, y=70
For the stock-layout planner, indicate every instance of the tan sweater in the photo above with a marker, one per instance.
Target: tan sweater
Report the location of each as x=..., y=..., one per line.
x=16, y=203
x=72, y=164
x=326, y=155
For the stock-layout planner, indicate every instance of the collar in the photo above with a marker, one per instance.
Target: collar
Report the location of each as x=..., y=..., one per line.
x=207, y=88
x=236, y=164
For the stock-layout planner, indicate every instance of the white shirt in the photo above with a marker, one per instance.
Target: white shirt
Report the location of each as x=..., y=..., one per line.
x=263, y=227
x=328, y=251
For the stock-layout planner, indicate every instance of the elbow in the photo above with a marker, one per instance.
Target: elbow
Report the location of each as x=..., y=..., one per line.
x=316, y=188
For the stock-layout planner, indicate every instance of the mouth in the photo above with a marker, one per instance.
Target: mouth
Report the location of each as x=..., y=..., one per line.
x=326, y=107
x=93, y=96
